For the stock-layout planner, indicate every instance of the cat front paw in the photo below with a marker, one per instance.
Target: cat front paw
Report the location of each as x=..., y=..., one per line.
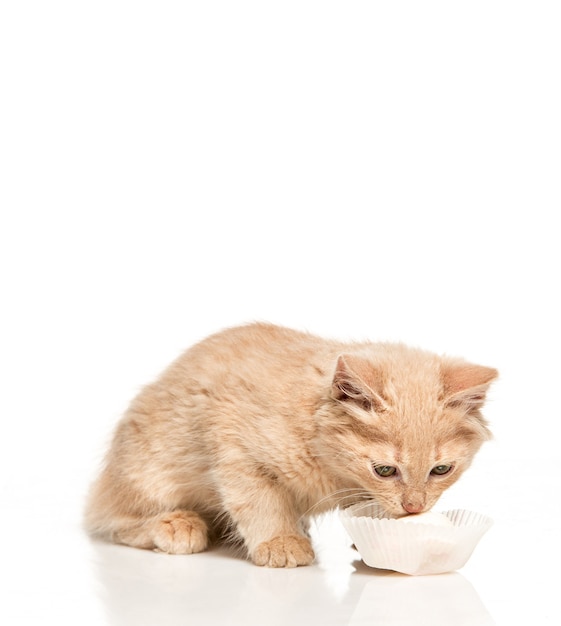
x=284, y=551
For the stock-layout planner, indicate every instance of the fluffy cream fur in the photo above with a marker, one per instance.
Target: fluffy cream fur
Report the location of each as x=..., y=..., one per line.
x=257, y=427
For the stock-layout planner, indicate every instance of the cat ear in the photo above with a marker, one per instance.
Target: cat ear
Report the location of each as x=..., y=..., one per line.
x=466, y=385
x=357, y=381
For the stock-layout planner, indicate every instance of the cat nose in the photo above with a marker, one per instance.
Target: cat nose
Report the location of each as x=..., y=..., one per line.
x=412, y=507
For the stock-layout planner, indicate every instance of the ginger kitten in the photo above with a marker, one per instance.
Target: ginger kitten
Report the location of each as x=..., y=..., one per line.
x=258, y=427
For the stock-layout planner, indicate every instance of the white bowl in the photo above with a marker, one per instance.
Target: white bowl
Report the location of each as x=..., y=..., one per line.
x=417, y=549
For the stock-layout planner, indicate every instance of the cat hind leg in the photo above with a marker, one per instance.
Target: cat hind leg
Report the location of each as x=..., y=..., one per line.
x=180, y=532
x=173, y=532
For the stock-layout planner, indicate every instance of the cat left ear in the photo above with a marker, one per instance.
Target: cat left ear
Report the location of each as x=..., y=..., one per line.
x=355, y=382
x=466, y=385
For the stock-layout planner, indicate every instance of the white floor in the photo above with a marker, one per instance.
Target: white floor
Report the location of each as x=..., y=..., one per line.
x=54, y=574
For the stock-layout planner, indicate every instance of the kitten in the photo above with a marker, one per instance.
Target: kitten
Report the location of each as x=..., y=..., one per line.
x=257, y=427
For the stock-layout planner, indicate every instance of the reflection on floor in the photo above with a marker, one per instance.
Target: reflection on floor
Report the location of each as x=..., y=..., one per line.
x=140, y=587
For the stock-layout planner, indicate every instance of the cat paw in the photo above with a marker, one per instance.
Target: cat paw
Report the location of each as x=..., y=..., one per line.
x=285, y=551
x=181, y=532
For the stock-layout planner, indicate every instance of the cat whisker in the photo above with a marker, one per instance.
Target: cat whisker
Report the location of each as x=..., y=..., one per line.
x=365, y=505
x=355, y=494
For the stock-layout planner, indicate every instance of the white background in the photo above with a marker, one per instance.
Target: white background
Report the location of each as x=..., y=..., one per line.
x=357, y=169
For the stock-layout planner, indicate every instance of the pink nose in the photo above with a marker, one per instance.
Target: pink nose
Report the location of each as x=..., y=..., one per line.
x=412, y=508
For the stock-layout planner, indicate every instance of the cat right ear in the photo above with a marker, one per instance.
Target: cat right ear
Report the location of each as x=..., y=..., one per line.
x=466, y=385
x=354, y=384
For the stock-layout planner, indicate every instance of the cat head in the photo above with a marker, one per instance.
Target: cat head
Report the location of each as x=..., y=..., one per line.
x=408, y=423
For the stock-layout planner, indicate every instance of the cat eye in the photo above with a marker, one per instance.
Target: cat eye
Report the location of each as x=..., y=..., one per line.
x=440, y=470
x=385, y=471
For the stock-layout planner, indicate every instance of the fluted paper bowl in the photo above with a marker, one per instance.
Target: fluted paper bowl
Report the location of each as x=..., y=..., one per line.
x=413, y=548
